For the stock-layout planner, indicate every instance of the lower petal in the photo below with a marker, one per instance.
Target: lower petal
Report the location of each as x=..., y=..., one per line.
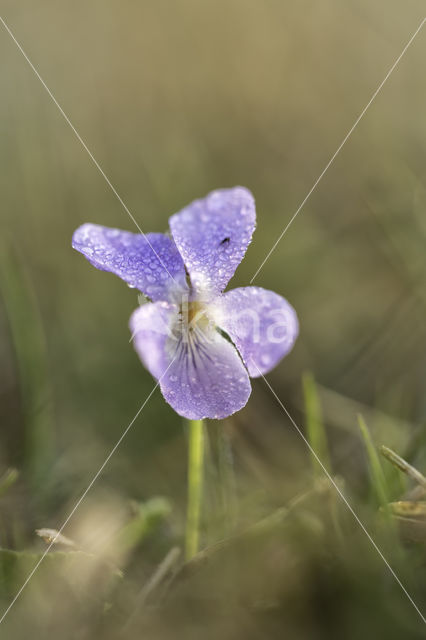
x=262, y=324
x=207, y=380
x=201, y=375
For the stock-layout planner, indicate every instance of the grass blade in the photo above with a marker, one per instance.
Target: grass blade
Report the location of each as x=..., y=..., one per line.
x=378, y=480
x=316, y=434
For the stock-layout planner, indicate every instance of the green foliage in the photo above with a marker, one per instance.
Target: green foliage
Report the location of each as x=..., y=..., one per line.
x=86, y=575
x=377, y=477
x=316, y=434
x=29, y=341
x=7, y=480
x=147, y=518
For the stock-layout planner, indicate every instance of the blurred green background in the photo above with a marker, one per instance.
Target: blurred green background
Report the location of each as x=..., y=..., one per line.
x=175, y=99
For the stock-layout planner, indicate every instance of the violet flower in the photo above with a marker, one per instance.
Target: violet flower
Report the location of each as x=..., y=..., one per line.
x=200, y=343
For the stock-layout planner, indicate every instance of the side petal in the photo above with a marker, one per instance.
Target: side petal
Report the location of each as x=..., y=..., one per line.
x=212, y=236
x=201, y=376
x=150, y=263
x=262, y=325
x=152, y=327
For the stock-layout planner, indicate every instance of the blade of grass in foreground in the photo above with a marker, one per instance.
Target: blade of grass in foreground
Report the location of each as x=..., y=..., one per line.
x=29, y=344
x=381, y=491
x=377, y=476
x=314, y=426
x=317, y=438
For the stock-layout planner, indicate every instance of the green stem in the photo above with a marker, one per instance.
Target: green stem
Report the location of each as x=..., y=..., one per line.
x=195, y=486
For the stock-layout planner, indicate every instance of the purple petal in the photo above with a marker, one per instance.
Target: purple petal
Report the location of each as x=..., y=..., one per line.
x=262, y=324
x=203, y=377
x=152, y=325
x=212, y=236
x=150, y=263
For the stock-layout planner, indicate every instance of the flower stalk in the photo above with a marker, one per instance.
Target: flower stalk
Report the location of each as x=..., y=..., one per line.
x=195, y=486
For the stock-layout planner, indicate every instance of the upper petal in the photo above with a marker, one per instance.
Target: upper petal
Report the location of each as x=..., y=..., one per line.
x=150, y=262
x=262, y=324
x=200, y=377
x=212, y=236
